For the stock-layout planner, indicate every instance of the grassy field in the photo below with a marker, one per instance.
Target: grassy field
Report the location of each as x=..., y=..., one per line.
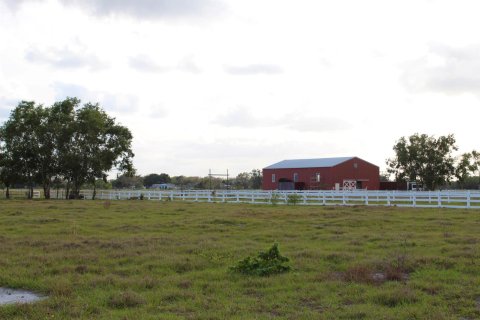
x=170, y=260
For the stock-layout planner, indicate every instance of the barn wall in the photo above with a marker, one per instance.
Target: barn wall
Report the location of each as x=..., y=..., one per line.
x=365, y=171
x=369, y=173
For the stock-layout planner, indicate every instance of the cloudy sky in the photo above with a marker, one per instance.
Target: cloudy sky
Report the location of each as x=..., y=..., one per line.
x=241, y=84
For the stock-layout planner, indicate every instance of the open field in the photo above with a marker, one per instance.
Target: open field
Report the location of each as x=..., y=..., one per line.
x=170, y=260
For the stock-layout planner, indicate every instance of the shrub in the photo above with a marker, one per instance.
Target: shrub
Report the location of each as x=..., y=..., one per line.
x=275, y=198
x=293, y=199
x=265, y=264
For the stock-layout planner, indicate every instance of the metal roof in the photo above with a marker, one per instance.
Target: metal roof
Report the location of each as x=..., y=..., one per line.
x=309, y=163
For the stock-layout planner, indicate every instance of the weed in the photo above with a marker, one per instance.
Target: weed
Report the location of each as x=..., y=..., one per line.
x=396, y=297
x=267, y=263
x=274, y=198
x=293, y=199
x=127, y=299
x=107, y=204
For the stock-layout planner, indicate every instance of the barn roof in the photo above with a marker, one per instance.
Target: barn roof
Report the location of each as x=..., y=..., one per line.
x=309, y=163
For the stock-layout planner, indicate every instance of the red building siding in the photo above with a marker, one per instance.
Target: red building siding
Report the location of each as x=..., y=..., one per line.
x=365, y=173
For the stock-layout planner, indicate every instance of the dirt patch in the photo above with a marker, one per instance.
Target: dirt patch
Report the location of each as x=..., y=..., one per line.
x=9, y=296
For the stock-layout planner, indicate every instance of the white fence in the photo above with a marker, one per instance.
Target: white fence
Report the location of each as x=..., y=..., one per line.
x=422, y=199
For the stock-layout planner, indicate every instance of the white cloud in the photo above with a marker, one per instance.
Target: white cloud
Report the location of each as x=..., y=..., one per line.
x=254, y=69
x=117, y=103
x=144, y=63
x=139, y=9
x=445, y=69
x=64, y=58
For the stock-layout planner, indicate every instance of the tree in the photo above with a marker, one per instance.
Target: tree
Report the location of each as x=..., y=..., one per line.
x=476, y=164
x=249, y=180
x=64, y=142
x=20, y=135
x=423, y=158
x=154, y=178
x=126, y=181
x=97, y=145
x=465, y=167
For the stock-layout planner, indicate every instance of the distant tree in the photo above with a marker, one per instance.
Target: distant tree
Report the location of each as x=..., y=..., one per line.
x=126, y=181
x=464, y=168
x=256, y=178
x=384, y=177
x=242, y=181
x=249, y=180
x=476, y=164
x=423, y=158
x=154, y=178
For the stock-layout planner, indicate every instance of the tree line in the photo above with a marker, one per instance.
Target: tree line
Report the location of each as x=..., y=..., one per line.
x=65, y=144
x=244, y=180
x=431, y=161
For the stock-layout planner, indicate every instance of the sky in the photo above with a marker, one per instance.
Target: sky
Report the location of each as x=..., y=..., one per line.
x=242, y=84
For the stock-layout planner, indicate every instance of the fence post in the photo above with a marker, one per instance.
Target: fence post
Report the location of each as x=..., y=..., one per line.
x=468, y=199
x=414, y=199
x=366, y=198
x=388, y=199
x=439, y=199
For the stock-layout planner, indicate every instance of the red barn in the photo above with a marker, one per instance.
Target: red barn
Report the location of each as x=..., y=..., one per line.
x=324, y=173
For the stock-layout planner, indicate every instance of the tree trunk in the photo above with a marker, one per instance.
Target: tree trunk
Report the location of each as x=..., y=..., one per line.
x=67, y=190
x=94, y=191
x=7, y=193
x=46, y=190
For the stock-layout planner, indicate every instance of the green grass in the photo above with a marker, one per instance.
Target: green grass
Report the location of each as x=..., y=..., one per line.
x=171, y=260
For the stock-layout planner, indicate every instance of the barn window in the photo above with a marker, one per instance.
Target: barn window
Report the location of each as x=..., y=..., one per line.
x=295, y=177
x=273, y=177
x=317, y=177
x=355, y=165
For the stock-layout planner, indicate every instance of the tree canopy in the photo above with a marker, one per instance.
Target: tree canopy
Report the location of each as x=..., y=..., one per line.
x=430, y=160
x=64, y=142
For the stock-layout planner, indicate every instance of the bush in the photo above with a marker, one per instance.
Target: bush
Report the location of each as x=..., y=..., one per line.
x=265, y=264
x=275, y=198
x=293, y=199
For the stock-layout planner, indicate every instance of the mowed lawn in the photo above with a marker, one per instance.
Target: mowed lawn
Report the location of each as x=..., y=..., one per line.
x=170, y=260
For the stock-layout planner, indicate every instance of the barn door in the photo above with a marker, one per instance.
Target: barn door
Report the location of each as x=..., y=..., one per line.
x=349, y=185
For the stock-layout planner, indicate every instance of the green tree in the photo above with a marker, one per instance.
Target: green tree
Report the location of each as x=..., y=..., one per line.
x=154, y=178
x=256, y=178
x=128, y=181
x=20, y=136
x=62, y=124
x=476, y=164
x=423, y=158
x=464, y=167
x=97, y=145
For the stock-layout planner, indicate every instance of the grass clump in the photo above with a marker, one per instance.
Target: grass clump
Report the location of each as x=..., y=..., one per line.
x=127, y=299
x=265, y=264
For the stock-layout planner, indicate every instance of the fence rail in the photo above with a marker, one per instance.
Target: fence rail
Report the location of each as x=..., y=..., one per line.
x=421, y=199
x=467, y=199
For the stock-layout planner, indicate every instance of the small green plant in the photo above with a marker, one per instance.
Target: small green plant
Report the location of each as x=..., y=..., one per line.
x=265, y=264
x=274, y=198
x=293, y=199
